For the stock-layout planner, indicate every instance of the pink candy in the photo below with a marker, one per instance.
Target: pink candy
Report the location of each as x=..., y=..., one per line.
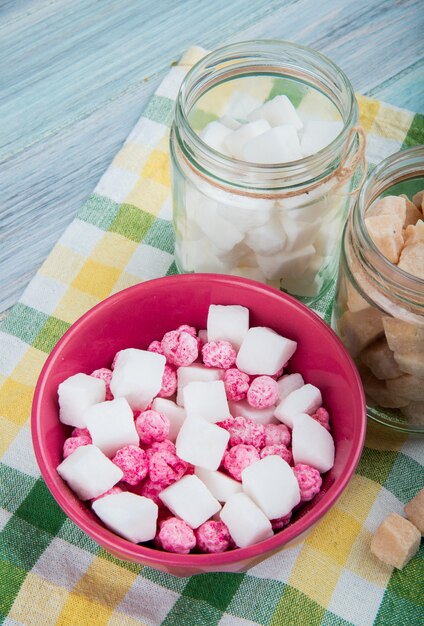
x=152, y=426
x=104, y=374
x=175, y=535
x=180, y=347
x=72, y=443
x=165, y=467
x=236, y=384
x=185, y=328
x=159, y=446
x=239, y=457
x=149, y=489
x=278, y=449
x=309, y=480
x=169, y=382
x=280, y=522
x=276, y=434
x=322, y=417
x=156, y=347
x=219, y=354
x=213, y=537
x=133, y=462
x=263, y=392
x=244, y=430
x=77, y=432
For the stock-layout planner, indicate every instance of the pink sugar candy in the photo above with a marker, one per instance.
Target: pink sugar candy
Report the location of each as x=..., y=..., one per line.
x=309, y=480
x=276, y=434
x=79, y=432
x=159, y=446
x=280, y=522
x=169, y=382
x=236, y=384
x=213, y=536
x=152, y=426
x=175, y=535
x=156, y=347
x=219, y=354
x=278, y=449
x=110, y=492
x=322, y=417
x=72, y=443
x=133, y=462
x=104, y=374
x=149, y=489
x=239, y=457
x=244, y=430
x=166, y=467
x=185, y=328
x=263, y=392
x=180, y=348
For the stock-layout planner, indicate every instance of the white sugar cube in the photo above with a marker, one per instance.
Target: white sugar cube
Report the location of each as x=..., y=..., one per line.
x=229, y=122
x=277, y=111
x=264, y=351
x=298, y=233
x=276, y=145
x=89, y=472
x=190, y=499
x=222, y=233
x=199, y=256
x=137, y=376
x=306, y=399
x=240, y=104
x=111, y=425
x=195, y=373
x=176, y=415
x=246, y=217
x=287, y=384
x=221, y=486
x=235, y=141
x=129, y=515
x=228, y=323
x=317, y=134
x=312, y=443
x=201, y=443
x=245, y=521
x=206, y=400
x=214, y=134
x=267, y=239
x=76, y=394
x=286, y=263
x=272, y=485
x=254, y=273
x=260, y=416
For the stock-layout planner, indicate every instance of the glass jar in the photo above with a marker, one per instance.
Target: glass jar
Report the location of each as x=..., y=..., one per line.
x=280, y=224
x=379, y=308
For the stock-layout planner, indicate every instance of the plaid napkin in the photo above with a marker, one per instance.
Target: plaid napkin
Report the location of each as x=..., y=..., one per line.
x=51, y=572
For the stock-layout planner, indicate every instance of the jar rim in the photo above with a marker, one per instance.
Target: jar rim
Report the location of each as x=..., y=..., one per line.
x=398, y=167
x=263, y=54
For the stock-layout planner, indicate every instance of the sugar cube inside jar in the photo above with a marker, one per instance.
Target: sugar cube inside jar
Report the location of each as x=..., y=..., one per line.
x=379, y=307
x=265, y=165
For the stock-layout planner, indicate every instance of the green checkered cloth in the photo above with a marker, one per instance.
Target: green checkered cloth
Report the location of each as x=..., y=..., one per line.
x=50, y=571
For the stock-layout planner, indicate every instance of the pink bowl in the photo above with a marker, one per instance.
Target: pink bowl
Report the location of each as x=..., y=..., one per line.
x=138, y=315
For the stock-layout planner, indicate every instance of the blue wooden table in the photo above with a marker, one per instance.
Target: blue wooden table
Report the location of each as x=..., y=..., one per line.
x=76, y=74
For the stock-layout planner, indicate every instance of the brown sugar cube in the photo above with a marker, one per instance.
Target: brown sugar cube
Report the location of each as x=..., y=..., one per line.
x=414, y=412
x=414, y=511
x=379, y=358
x=355, y=302
x=390, y=205
x=403, y=337
x=360, y=328
x=411, y=363
x=386, y=233
x=412, y=259
x=396, y=541
x=377, y=391
x=413, y=234
x=407, y=386
x=412, y=213
x=418, y=200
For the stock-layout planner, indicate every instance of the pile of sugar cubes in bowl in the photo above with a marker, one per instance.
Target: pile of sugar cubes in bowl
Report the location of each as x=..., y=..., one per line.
x=200, y=443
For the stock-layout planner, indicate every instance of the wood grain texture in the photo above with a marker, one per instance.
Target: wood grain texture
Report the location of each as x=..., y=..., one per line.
x=75, y=76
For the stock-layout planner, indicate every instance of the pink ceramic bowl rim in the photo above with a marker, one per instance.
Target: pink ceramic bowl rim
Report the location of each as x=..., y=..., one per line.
x=136, y=552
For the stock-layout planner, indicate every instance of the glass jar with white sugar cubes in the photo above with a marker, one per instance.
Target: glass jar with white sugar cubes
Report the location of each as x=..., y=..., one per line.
x=379, y=309
x=266, y=162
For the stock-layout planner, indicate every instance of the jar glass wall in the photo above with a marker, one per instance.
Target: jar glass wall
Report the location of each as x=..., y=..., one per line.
x=379, y=308
x=281, y=223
